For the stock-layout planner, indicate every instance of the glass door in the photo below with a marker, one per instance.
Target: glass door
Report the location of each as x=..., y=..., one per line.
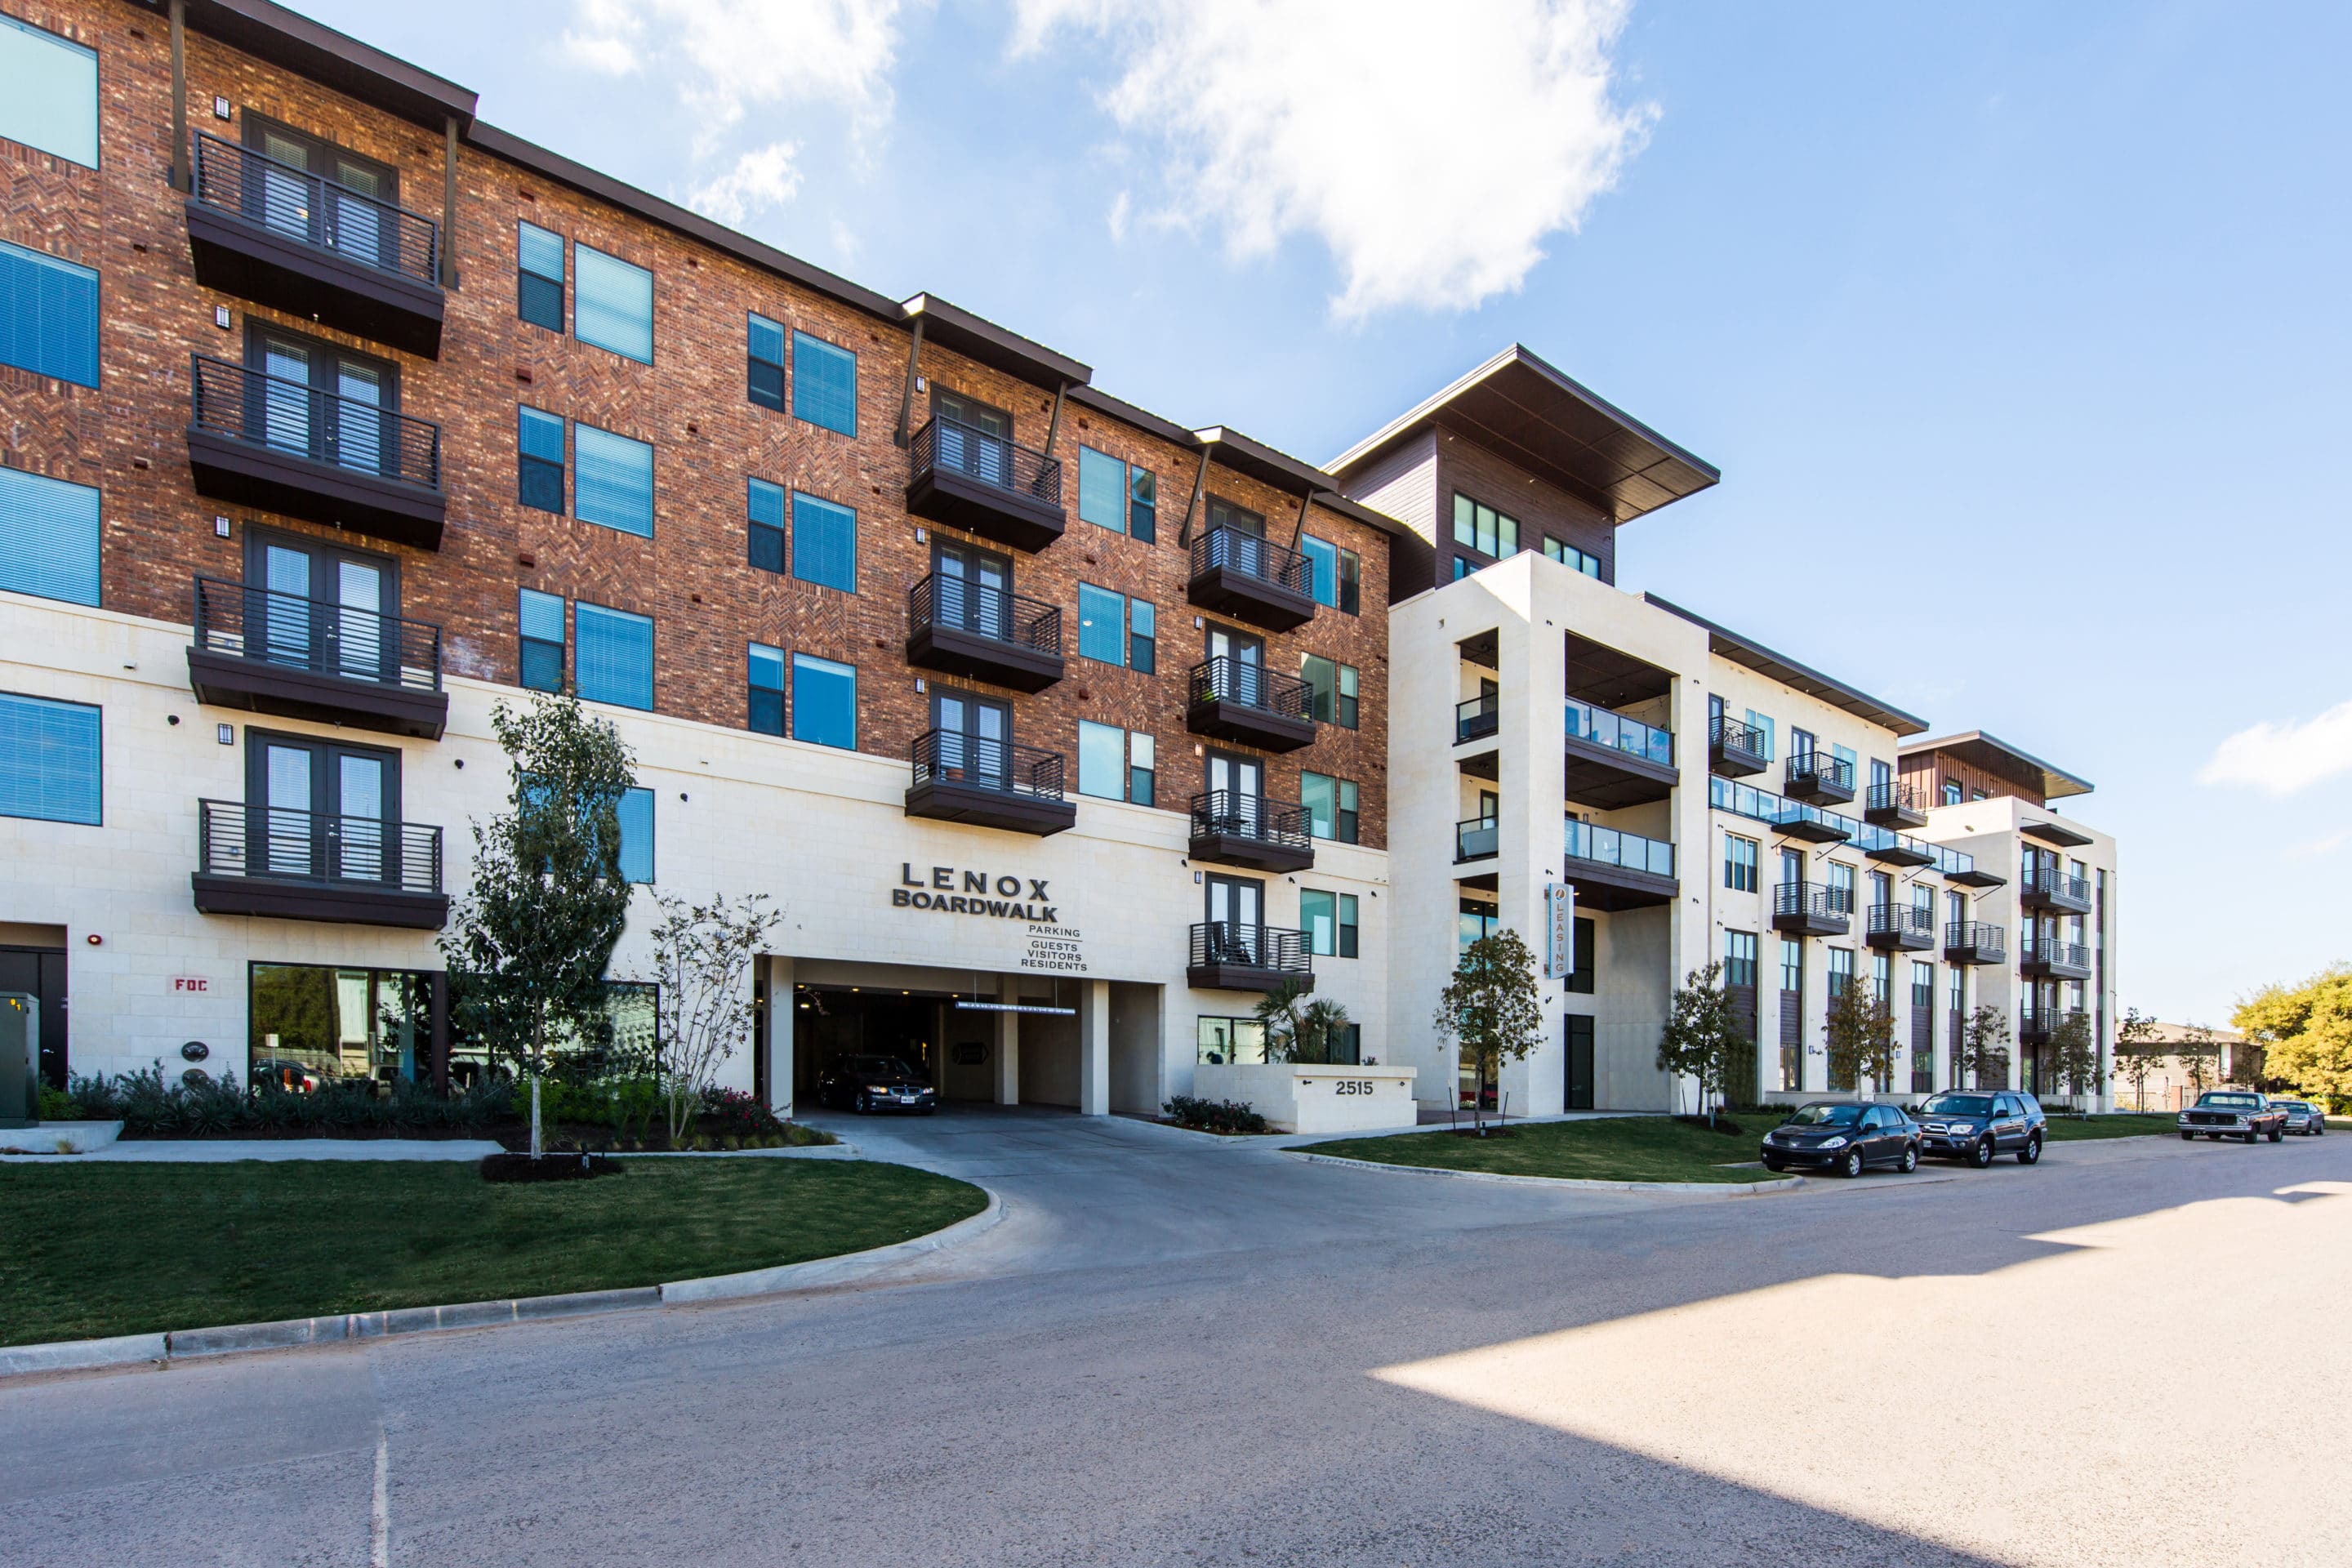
x=280, y=197
x=975, y=741
x=355, y=223
x=360, y=427
x=358, y=827
x=322, y=811
x=972, y=591
x=362, y=650
x=1236, y=919
x=1242, y=678
x=1236, y=794
x=284, y=417
x=285, y=630
x=972, y=438
x=289, y=836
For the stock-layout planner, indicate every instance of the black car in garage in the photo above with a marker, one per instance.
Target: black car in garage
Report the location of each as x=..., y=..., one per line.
x=1842, y=1136
x=1980, y=1124
x=867, y=1083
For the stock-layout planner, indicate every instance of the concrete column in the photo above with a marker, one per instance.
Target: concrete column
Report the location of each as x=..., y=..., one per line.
x=1532, y=783
x=1007, y=1054
x=1094, y=1047
x=782, y=1010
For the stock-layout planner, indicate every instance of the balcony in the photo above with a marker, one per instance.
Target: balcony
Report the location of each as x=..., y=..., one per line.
x=1735, y=751
x=1819, y=778
x=1896, y=806
x=1250, y=579
x=1615, y=762
x=1230, y=828
x=1245, y=702
x=2044, y=886
x=267, y=652
x=2046, y=958
x=310, y=865
x=1611, y=869
x=1480, y=838
x=284, y=237
x=1230, y=956
x=1812, y=909
x=285, y=447
x=960, y=627
x=988, y=784
x=1478, y=719
x=984, y=484
x=1974, y=941
x=1889, y=848
x=1899, y=928
x=1812, y=824
x=2036, y=1024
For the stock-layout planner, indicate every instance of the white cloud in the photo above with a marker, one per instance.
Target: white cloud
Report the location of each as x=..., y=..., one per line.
x=727, y=56
x=1433, y=149
x=2326, y=844
x=763, y=177
x=1117, y=218
x=2280, y=759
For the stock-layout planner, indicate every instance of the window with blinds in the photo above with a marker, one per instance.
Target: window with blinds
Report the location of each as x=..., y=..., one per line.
x=635, y=810
x=825, y=543
x=824, y=383
x=614, y=486
x=538, y=276
x=48, y=92
x=766, y=364
x=825, y=701
x=765, y=679
x=613, y=654
x=765, y=522
x=615, y=307
x=50, y=765
x=48, y=537
x=538, y=459
x=49, y=315
x=1102, y=489
x=541, y=617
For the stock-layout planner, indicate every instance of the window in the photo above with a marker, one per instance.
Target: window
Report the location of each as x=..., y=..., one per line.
x=1331, y=806
x=1802, y=744
x=766, y=689
x=635, y=809
x=825, y=701
x=50, y=762
x=48, y=92
x=541, y=617
x=1102, y=761
x=763, y=509
x=1587, y=956
x=1102, y=622
x=1976, y=794
x=1570, y=555
x=1762, y=725
x=539, y=277
x=1792, y=965
x=1473, y=923
x=1841, y=971
x=1231, y=1041
x=1322, y=679
x=1847, y=756
x=1142, y=506
x=1882, y=774
x=48, y=537
x=767, y=357
x=1102, y=489
x=1956, y=906
x=1142, y=777
x=616, y=656
x=615, y=310
x=1882, y=979
x=1346, y=697
x=1483, y=529
x=1882, y=889
x=538, y=459
x=1142, y=636
x=1739, y=957
x=825, y=543
x=1336, y=574
x=824, y=384
x=49, y=315
x=1841, y=884
x=616, y=480
x=1738, y=863
x=1329, y=921
x=1923, y=984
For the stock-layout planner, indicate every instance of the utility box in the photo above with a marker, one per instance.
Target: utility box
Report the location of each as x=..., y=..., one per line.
x=20, y=1059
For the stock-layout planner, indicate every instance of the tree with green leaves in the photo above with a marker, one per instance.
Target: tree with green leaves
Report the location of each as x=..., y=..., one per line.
x=528, y=944
x=703, y=1000
x=1492, y=1008
x=2139, y=1055
x=1858, y=1036
x=1278, y=1015
x=2074, y=1056
x=1702, y=1036
x=2306, y=1034
x=1981, y=1053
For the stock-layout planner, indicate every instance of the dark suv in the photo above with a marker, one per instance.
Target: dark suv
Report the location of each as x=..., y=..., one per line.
x=1978, y=1124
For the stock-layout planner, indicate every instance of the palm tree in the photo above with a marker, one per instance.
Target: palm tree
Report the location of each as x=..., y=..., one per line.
x=1321, y=1023
x=1278, y=1012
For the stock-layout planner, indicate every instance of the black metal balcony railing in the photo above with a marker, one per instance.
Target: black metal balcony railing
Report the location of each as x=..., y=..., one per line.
x=1478, y=719
x=2050, y=951
x=1987, y=941
x=1902, y=920
x=310, y=422
x=303, y=205
x=960, y=604
x=1833, y=771
x=1233, y=814
x=1277, y=948
x=2040, y=877
x=1226, y=679
x=1812, y=898
x=242, y=621
x=1476, y=839
x=950, y=446
x=1253, y=557
x=1731, y=736
x=2040, y=1023
x=951, y=756
x=316, y=847
x=1897, y=797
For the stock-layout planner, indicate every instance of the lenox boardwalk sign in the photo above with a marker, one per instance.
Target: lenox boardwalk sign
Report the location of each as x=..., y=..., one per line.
x=973, y=893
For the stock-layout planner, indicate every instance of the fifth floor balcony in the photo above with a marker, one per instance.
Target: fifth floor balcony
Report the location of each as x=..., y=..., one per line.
x=1735, y=750
x=1819, y=778
x=1252, y=579
x=982, y=483
x=1614, y=762
x=2044, y=886
x=286, y=446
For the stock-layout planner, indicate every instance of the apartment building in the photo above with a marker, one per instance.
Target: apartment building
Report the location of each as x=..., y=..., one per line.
x=334, y=416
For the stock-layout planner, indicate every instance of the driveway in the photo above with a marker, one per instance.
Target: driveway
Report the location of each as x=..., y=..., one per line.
x=1186, y=1353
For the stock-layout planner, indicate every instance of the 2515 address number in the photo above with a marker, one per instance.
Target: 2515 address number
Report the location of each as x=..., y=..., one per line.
x=1352, y=1086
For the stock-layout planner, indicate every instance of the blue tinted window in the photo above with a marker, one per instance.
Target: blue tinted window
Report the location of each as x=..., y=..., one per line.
x=615, y=308
x=50, y=766
x=1102, y=489
x=539, y=277
x=824, y=383
x=49, y=315
x=1102, y=760
x=1102, y=625
x=615, y=655
x=767, y=360
x=825, y=543
x=48, y=92
x=1323, y=562
x=825, y=701
x=616, y=485
x=538, y=459
x=764, y=512
x=48, y=537
x=542, y=619
x=636, y=814
x=766, y=676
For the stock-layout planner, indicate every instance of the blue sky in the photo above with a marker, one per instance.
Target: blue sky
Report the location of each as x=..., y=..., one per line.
x=2018, y=331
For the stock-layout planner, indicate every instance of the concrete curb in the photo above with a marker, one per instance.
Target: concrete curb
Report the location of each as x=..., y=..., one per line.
x=290, y=1333
x=1711, y=1189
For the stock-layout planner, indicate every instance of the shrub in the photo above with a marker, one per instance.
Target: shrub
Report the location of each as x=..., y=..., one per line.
x=734, y=1113
x=1213, y=1115
x=56, y=1105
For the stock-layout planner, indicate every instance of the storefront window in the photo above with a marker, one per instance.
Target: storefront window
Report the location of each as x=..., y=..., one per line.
x=312, y=1026
x=1227, y=1042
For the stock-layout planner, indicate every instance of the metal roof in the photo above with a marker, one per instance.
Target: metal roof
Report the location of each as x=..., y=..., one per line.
x=1997, y=757
x=1802, y=678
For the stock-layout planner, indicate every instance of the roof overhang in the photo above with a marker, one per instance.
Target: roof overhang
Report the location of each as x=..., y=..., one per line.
x=288, y=39
x=1727, y=644
x=1542, y=422
x=1999, y=758
x=976, y=338
x=2052, y=832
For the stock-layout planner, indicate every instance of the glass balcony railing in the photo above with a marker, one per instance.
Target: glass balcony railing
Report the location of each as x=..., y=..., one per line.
x=1600, y=727
x=1614, y=847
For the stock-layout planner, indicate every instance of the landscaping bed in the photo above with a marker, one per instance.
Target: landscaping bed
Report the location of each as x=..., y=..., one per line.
x=1610, y=1149
x=100, y=1249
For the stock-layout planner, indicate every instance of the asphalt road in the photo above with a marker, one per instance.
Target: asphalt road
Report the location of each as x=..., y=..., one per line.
x=1178, y=1353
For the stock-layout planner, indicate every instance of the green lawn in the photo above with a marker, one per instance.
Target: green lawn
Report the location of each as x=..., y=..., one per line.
x=1615, y=1149
x=2119, y=1124
x=133, y=1248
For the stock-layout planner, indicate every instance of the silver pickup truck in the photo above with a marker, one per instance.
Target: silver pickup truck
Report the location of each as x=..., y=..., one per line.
x=2233, y=1113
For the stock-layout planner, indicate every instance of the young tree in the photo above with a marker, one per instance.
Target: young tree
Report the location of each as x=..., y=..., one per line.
x=2074, y=1057
x=2201, y=1056
x=702, y=957
x=1859, y=1038
x=1702, y=1037
x=528, y=944
x=1492, y=1008
x=1278, y=1014
x=2139, y=1053
x=1321, y=1023
x=1981, y=1053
